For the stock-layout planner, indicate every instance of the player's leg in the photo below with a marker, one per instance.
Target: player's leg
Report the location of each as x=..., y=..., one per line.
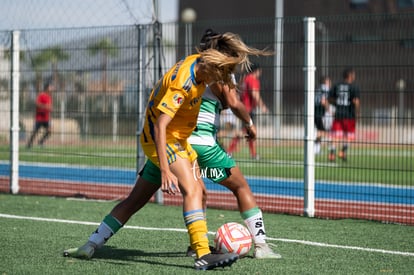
x=250, y=212
x=336, y=136
x=342, y=140
x=197, y=175
x=196, y=171
x=319, y=134
x=233, y=144
x=47, y=133
x=33, y=135
x=349, y=130
x=193, y=212
x=142, y=192
x=222, y=169
x=252, y=149
x=252, y=143
x=193, y=209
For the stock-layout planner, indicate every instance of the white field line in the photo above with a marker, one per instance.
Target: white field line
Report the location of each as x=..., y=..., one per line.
x=401, y=253
x=344, y=247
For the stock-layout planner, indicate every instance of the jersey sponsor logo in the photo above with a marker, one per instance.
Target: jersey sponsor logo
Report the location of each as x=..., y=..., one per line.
x=165, y=105
x=179, y=147
x=178, y=99
x=195, y=101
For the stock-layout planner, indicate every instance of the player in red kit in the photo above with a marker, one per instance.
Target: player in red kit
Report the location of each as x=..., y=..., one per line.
x=42, y=118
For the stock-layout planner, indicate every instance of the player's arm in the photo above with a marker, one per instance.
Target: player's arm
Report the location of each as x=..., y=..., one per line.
x=325, y=103
x=229, y=97
x=258, y=99
x=357, y=107
x=239, y=110
x=356, y=102
x=332, y=96
x=169, y=182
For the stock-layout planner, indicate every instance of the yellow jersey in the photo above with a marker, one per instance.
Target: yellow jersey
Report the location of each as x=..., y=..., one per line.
x=178, y=95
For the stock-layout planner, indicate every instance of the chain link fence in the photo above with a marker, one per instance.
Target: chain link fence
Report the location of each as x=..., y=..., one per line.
x=103, y=76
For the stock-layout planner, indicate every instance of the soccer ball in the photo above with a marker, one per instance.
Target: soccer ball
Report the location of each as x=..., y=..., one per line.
x=233, y=237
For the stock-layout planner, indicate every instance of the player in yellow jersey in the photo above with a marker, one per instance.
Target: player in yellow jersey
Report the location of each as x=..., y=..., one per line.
x=175, y=98
x=170, y=118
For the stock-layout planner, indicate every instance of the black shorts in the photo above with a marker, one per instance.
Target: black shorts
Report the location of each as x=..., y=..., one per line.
x=40, y=124
x=319, y=124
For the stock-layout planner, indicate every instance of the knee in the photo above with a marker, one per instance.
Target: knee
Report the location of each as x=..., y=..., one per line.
x=239, y=189
x=194, y=193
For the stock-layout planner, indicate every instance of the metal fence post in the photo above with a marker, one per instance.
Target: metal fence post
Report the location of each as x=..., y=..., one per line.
x=141, y=35
x=309, y=161
x=159, y=197
x=278, y=60
x=14, y=109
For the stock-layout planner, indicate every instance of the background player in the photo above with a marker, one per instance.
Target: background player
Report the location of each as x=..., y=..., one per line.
x=324, y=112
x=253, y=101
x=44, y=104
x=345, y=97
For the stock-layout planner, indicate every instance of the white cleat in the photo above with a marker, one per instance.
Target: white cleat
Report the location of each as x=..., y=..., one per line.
x=84, y=252
x=263, y=251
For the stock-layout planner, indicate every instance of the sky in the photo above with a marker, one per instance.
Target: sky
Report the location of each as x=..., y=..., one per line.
x=41, y=14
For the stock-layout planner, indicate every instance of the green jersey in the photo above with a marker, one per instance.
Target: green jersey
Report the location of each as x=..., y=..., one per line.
x=208, y=121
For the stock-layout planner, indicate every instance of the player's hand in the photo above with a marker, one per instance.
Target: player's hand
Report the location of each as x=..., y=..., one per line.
x=251, y=133
x=169, y=183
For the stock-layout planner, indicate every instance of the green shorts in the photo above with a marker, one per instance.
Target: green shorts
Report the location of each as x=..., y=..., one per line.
x=214, y=162
x=151, y=173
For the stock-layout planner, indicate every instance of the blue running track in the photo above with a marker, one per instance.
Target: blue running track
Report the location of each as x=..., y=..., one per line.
x=373, y=193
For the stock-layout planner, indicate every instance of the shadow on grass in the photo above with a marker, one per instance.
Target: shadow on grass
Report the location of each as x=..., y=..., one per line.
x=116, y=255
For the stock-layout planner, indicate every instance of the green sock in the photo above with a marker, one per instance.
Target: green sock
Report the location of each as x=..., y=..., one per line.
x=108, y=227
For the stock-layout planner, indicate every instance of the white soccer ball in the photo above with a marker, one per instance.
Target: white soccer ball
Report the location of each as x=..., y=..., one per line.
x=233, y=237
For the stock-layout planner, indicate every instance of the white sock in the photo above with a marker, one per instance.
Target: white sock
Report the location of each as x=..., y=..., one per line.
x=101, y=235
x=255, y=225
x=108, y=227
x=317, y=147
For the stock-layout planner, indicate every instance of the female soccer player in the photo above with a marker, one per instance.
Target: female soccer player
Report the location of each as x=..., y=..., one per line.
x=170, y=118
x=217, y=164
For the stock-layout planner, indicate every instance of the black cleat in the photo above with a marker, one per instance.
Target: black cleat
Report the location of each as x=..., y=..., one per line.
x=211, y=261
x=191, y=252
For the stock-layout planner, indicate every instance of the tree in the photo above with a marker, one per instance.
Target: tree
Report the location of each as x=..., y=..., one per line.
x=107, y=49
x=51, y=55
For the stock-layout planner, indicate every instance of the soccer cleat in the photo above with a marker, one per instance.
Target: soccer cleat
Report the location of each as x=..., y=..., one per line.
x=263, y=251
x=211, y=261
x=84, y=252
x=191, y=252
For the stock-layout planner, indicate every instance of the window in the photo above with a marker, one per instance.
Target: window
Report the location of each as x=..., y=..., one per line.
x=358, y=4
x=405, y=4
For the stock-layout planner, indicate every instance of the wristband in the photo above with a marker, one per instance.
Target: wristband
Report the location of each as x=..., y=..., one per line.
x=250, y=124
